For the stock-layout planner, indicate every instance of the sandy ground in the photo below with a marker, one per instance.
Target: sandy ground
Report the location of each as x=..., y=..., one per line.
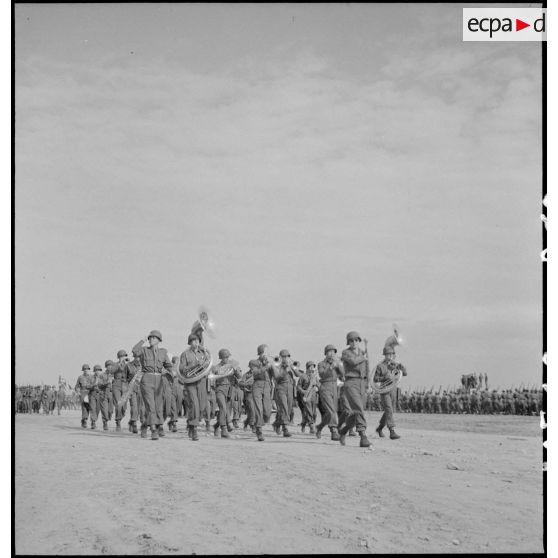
x=93, y=492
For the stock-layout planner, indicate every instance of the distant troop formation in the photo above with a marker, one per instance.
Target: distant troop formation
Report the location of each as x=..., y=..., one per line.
x=44, y=399
x=158, y=388
x=518, y=401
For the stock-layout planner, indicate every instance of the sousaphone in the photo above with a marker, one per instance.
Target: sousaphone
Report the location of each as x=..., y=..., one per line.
x=395, y=371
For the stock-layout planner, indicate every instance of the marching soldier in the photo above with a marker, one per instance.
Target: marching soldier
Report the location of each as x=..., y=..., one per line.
x=120, y=371
x=104, y=394
x=330, y=371
x=382, y=373
x=306, y=395
x=224, y=371
x=197, y=391
x=246, y=383
x=262, y=372
x=94, y=396
x=355, y=363
x=154, y=360
x=83, y=384
x=284, y=376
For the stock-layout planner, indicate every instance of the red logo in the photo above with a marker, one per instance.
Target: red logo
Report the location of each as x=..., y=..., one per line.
x=519, y=25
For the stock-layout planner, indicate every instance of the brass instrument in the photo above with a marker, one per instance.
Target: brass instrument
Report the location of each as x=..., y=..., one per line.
x=225, y=371
x=312, y=384
x=207, y=325
x=395, y=370
x=198, y=371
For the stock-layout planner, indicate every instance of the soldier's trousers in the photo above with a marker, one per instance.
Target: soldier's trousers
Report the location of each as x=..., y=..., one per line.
x=197, y=401
x=354, y=392
x=85, y=408
x=222, y=395
x=110, y=403
x=284, y=400
x=99, y=404
x=309, y=410
x=134, y=403
x=261, y=395
x=151, y=388
x=328, y=399
x=236, y=402
x=118, y=389
x=249, y=407
x=167, y=398
x=388, y=402
x=178, y=393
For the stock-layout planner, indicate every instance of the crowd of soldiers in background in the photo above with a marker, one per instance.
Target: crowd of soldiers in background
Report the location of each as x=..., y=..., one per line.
x=45, y=399
x=516, y=401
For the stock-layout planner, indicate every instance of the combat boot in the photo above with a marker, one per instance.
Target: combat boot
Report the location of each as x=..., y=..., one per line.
x=207, y=426
x=224, y=433
x=312, y=429
x=161, y=430
x=352, y=432
x=393, y=435
x=129, y=426
x=286, y=432
x=174, y=428
x=195, y=436
x=277, y=428
x=154, y=433
x=334, y=434
x=105, y=425
x=342, y=435
x=143, y=431
x=230, y=427
x=254, y=430
x=118, y=427
x=83, y=423
x=380, y=432
x=318, y=433
x=245, y=426
x=216, y=429
x=302, y=428
x=134, y=427
x=235, y=423
x=93, y=427
x=190, y=431
x=259, y=434
x=364, y=443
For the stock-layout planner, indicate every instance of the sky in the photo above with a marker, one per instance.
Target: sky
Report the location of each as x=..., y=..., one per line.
x=301, y=170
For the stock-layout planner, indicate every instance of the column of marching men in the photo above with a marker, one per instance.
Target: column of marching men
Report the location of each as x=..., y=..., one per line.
x=336, y=386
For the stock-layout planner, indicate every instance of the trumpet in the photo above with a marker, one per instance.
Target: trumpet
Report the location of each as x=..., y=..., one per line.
x=224, y=372
x=312, y=384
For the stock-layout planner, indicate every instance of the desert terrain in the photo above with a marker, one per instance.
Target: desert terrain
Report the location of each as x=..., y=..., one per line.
x=451, y=484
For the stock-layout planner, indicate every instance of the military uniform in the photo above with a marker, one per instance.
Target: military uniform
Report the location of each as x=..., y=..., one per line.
x=261, y=392
x=197, y=391
x=284, y=375
x=120, y=371
x=330, y=370
x=83, y=385
x=355, y=365
x=382, y=373
x=224, y=391
x=154, y=361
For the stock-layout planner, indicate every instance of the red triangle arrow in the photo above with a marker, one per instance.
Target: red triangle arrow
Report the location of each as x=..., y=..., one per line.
x=519, y=25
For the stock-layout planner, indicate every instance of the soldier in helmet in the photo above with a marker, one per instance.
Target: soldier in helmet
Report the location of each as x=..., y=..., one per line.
x=246, y=383
x=262, y=371
x=120, y=371
x=306, y=396
x=284, y=376
x=100, y=394
x=330, y=372
x=154, y=361
x=355, y=364
x=83, y=384
x=383, y=372
x=224, y=370
x=190, y=359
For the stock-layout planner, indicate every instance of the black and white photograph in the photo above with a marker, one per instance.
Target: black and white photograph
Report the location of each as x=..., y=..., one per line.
x=278, y=279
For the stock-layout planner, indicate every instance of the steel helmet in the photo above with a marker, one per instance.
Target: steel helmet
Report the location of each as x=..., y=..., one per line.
x=155, y=333
x=329, y=348
x=97, y=367
x=353, y=335
x=121, y=353
x=108, y=363
x=261, y=349
x=224, y=353
x=388, y=350
x=191, y=337
x=284, y=353
x=310, y=363
x=85, y=367
x=254, y=363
